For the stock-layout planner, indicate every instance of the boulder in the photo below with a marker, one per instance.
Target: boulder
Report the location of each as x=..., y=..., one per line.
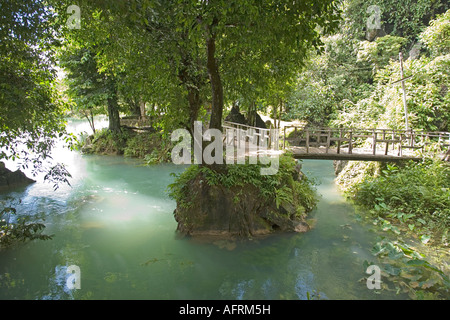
x=11, y=179
x=238, y=212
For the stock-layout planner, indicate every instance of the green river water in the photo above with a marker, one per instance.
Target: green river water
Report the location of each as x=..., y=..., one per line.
x=115, y=222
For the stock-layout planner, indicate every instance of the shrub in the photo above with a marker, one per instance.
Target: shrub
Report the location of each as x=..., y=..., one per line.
x=140, y=145
x=414, y=195
x=107, y=142
x=417, y=195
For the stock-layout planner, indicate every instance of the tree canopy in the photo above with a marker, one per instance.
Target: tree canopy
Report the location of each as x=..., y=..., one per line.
x=189, y=55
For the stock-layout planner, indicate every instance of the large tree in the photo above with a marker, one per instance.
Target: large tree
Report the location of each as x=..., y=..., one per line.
x=253, y=46
x=234, y=48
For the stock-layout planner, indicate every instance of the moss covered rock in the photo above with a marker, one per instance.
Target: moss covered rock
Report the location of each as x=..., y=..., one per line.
x=236, y=201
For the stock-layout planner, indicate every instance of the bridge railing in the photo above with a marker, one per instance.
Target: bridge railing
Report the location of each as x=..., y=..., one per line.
x=376, y=141
x=237, y=133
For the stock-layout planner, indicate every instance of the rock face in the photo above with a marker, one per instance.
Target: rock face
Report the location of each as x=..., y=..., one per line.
x=260, y=122
x=10, y=179
x=217, y=211
x=236, y=116
x=373, y=34
x=339, y=165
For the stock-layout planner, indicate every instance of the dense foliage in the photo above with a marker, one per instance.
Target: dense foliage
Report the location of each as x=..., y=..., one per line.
x=354, y=82
x=31, y=111
x=350, y=81
x=428, y=98
x=414, y=196
x=282, y=187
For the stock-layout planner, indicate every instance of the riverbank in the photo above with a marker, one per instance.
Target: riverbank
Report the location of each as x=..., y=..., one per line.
x=151, y=146
x=411, y=202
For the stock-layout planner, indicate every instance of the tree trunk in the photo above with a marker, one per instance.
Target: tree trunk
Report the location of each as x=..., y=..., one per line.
x=194, y=107
x=142, y=110
x=192, y=85
x=113, y=106
x=275, y=116
x=216, y=82
x=92, y=122
x=90, y=118
x=113, y=114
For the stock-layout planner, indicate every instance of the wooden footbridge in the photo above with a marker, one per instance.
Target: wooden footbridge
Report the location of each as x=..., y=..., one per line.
x=343, y=143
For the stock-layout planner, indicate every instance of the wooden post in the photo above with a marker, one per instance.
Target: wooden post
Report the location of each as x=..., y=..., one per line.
x=350, y=142
x=328, y=139
x=319, y=131
x=404, y=91
x=393, y=138
x=374, y=142
x=307, y=140
x=387, y=143
x=239, y=136
x=339, y=141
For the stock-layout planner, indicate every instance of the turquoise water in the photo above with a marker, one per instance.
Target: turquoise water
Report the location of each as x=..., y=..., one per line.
x=115, y=222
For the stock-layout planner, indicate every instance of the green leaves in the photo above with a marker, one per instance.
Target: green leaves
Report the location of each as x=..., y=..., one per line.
x=415, y=195
x=381, y=51
x=436, y=36
x=18, y=228
x=408, y=270
x=425, y=238
x=411, y=202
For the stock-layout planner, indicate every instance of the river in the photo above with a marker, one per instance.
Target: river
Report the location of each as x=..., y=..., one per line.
x=115, y=223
